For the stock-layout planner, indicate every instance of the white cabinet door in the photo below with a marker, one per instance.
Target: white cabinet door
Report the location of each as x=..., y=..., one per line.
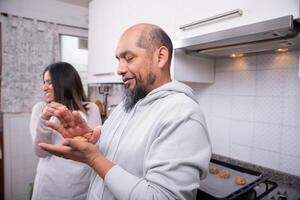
x=105, y=27
x=156, y=12
x=108, y=20
x=161, y=13
x=188, y=11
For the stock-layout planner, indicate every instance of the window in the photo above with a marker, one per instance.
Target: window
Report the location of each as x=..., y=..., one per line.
x=74, y=50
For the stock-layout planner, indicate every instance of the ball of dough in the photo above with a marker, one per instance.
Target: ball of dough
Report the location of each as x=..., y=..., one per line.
x=80, y=138
x=213, y=170
x=224, y=174
x=240, y=180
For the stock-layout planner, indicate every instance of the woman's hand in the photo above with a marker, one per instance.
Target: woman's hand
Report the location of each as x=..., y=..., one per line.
x=48, y=111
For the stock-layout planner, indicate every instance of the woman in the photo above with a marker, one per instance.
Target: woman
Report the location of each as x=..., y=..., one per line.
x=58, y=178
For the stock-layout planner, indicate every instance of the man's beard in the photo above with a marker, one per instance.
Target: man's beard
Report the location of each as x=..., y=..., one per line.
x=132, y=97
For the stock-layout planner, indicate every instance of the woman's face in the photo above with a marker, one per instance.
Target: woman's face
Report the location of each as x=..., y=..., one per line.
x=47, y=87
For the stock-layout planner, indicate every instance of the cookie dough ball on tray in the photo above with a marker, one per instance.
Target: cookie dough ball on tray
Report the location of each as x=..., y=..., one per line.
x=224, y=174
x=213, y=169
x=240, y=180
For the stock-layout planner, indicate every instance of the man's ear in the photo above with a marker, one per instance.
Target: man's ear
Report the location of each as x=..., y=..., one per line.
x=162, y=55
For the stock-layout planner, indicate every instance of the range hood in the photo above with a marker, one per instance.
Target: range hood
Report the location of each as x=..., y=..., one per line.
x=279, y=33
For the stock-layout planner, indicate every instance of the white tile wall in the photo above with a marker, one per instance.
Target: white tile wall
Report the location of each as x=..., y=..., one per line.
x=244, y=63
x=239, y=151
x=223, y=84
x=205, y=102
x=267, y=136
x=290, y=141
x=221, y=105
x=292, y=83
x=243, y=108
x=266, y=158
x=253, y=110
x=244, y=82
x=224, y=65
x=268, y=109
x=291, y=111
x=221, y=147
x=278, y=60
x=241, y=133
x=270, y=82
x=290, y=164
x=220, y=129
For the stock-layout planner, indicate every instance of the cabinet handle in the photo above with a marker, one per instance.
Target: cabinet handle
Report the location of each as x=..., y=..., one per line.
x=219, y=16
x=104, y=74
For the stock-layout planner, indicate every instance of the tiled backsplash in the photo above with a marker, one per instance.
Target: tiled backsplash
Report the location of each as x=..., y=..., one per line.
x=252, y=110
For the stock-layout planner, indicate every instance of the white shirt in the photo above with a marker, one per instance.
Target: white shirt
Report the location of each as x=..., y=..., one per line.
x=58, y=178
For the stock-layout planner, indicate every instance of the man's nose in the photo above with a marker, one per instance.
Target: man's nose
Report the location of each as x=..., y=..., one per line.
x=122, y=67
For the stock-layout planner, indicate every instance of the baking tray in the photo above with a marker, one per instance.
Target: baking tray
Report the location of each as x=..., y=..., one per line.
x=220, y=188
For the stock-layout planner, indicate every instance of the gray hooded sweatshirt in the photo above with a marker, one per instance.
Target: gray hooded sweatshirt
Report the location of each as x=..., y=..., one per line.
x=160, y=148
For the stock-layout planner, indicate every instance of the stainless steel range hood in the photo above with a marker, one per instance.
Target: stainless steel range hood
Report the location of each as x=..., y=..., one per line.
x=253, y=38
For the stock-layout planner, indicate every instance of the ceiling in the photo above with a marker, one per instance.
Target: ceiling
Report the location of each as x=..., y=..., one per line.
x=82, y=3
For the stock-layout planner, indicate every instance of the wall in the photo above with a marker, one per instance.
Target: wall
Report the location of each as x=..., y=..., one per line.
x=253, y=109
x=48, y=10
x=20, y=161
x=20, y=168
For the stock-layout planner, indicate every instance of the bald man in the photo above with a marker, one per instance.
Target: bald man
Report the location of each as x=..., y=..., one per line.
x=155, y=143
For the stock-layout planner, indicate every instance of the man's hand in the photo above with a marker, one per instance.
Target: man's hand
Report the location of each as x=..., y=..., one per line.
x=74, y=150
x=80, y=151
x=72, y=123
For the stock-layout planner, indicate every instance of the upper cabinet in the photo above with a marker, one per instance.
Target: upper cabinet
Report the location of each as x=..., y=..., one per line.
x=105, y=27
x=108, y=20
x=220, y=15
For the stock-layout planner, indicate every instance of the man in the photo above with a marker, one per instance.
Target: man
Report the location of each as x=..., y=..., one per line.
x=155, y=144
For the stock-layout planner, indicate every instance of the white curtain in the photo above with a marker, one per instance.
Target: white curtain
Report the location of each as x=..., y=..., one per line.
x=28, y=47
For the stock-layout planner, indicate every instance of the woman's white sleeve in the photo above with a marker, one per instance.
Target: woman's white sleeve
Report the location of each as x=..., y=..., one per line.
x=94, y=118
x=39, y=131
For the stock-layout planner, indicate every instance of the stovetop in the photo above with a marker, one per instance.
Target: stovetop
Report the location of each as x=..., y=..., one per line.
x=284, y=192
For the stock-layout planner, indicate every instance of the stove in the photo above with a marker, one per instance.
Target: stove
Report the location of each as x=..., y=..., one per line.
x=258, y=185
x=284, y=192
x=259, y=192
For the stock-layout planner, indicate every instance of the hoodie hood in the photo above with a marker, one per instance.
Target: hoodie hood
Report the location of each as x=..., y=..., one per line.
x=168, y=89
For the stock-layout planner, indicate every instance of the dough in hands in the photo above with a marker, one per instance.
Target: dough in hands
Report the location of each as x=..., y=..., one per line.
x=80, y=138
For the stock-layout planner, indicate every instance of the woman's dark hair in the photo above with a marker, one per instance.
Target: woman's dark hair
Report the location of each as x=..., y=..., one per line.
x=67, y=86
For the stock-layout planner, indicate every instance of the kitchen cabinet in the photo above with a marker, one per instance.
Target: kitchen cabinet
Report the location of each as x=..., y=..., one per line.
x=195, y=69
x=105, y=27
x=108, y=20
x=188, y=11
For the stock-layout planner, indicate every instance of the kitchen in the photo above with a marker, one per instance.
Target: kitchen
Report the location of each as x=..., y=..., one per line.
x=250, y=103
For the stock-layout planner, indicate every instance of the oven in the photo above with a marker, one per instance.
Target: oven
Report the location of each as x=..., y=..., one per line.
x=213, y=187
